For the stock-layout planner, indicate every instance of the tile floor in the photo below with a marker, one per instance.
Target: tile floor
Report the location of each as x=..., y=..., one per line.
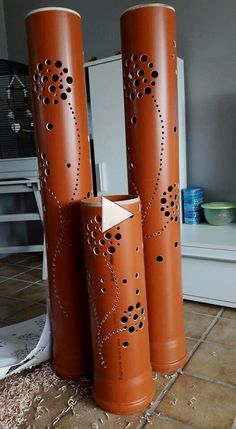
x=200, y=396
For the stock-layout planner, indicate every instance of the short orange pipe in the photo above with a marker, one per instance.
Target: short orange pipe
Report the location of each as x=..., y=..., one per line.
x=150, y=92
x=60, y=115
x=116, y=283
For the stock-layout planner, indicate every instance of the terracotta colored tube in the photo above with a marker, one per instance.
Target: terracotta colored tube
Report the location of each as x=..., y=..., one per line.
x=116, y=284
x=60, y=115
x=150, y=92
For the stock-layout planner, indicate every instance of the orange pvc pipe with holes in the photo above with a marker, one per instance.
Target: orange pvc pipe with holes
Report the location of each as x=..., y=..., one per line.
x=118, y=310
x=148, y=36
x=60, y=115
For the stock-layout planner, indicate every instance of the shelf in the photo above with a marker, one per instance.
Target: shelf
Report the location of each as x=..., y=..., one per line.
x=19, y=217
x=207, y=236
x=5, y=250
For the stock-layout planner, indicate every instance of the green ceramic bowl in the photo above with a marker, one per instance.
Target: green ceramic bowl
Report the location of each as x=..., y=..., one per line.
x=219, y=213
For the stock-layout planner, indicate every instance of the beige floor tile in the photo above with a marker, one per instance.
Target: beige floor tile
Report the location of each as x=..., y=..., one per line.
x=224, y=332
x=29, y=312
x=200, y=307
x=11, y=287
x=9, y=306
x=53, y=407
x=7, y=270
x=215, y=361
x=31, y=275
x=33, y=293
x=196, y=324
x=49, y=396
x=161, y=380
x=230, y=313
x=87, y=414
x=200, y=403
x=162, y=422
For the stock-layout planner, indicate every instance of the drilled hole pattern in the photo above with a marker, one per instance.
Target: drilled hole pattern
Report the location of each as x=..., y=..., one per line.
x=133, y=317
x=109, y=285
x=99, y=242
x=51, y=85
x=105, y=244
x=141, y=80
x=131, y=322
x=169, y=207
x=99, y=324
x=139, y=77
x=44, y=172
x=44, y=169
x=170, y=203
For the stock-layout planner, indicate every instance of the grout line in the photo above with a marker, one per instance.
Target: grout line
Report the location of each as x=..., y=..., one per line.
x=156, y=403
x=36, y=267
x=228, y=318
x=37, y=264
x=203, y=377
x=212, y=342
x=21, y=261
x=13, y=322
x=19, y=274
x=204, y=335
x=13, y=278
x=191, y=338
x=14, y=295
x=171, y=420
x=200, y=313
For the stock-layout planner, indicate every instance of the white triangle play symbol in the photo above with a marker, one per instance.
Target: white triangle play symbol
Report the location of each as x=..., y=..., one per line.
x=112, y=214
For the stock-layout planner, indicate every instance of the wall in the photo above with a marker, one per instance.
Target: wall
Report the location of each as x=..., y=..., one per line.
x=3, y=35
x=206, y=41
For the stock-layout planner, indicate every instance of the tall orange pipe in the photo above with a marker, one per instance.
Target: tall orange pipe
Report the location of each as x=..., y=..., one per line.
x=60, y=115
x=116, y=283
x=148, y=36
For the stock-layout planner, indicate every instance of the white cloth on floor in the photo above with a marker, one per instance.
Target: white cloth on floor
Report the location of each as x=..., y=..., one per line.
x=24, y=345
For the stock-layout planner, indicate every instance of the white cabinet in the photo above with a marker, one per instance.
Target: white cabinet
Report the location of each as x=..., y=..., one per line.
x=209, y=263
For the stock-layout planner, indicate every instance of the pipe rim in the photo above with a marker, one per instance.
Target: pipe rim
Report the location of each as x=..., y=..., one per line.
x=124, y=200
x=44, y=9
x=142, y=6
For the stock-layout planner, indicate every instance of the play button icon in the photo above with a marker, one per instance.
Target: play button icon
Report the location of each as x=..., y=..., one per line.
x=112, y=214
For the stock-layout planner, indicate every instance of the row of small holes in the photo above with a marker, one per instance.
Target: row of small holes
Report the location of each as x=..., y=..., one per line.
x=79, y=153
x=160, y=165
